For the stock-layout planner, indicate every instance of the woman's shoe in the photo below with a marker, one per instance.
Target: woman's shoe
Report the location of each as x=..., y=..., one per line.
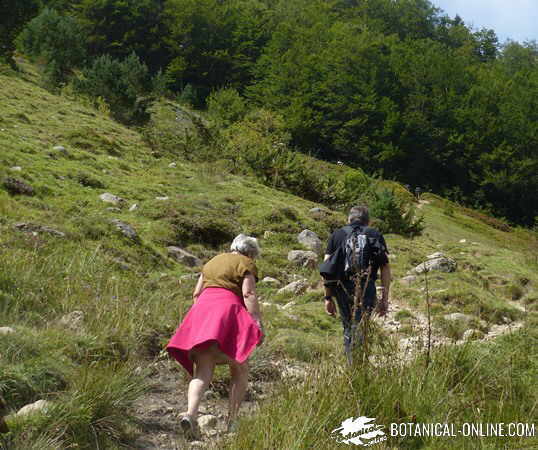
x=189, y=426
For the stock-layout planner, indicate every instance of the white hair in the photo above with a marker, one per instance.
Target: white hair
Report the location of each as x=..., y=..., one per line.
x=246, y=245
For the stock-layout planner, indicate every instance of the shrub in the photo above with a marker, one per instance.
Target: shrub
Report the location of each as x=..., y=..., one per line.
x=57, y=40
x=393, y=215
x=226, y=107
x=124, y=85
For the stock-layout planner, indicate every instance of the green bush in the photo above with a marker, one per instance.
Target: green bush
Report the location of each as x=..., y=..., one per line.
x=226, y=107
x=57, y=40
x=124, y=85
x=392, y=215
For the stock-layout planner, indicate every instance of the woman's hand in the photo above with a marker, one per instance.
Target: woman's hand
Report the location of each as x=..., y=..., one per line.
x=260, y=326
x=198, y=289
x=251, y=301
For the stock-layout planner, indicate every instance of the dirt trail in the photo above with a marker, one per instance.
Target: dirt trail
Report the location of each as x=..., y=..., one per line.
x=159, y=410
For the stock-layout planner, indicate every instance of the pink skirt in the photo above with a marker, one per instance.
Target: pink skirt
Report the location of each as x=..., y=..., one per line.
x=218, y=316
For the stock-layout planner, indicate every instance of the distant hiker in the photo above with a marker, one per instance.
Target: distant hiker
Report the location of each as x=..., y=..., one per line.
x=222, y=327
x=355, y=252
x=418, y=191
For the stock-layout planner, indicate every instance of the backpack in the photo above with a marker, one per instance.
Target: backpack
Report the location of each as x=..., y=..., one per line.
x=353, y=256
x=358, y=251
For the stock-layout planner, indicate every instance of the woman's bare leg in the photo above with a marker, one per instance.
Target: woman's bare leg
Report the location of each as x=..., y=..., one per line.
x=238, y=388
x=204, y=365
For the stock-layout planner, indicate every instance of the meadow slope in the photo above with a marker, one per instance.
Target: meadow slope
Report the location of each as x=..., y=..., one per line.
x=91, y=308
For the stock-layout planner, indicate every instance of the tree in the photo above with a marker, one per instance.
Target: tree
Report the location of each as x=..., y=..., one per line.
x=121, y=27
x=125, y=85
x=57, y=40
x=13, y=15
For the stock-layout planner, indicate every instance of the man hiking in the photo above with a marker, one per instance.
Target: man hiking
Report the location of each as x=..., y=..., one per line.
x=355, y=253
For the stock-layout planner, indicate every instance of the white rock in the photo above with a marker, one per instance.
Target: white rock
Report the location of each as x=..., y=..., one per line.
x=111, y=198
x=133, y=207
x=125, y=229
x=15, y=168
x=6, y=330
x=190, y=276
x=73, y=320
x=471, y=335
x=162, y=199
x=438, y=264
x=303, y=258
x=172, y=165
x=310, y=240
x=270, y=281
x=207, y=422
x=317, y=212
x=436, y=255
x=183, y=256
x=39, y=406
x=289, y=305
x=458, y=317
x=295, y=287
x=463, y=241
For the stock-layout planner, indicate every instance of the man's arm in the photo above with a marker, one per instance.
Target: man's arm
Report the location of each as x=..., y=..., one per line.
x=385, y=282
x=330, y=308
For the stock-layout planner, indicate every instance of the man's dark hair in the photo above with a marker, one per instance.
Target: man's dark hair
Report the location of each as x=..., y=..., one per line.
x=359, y=214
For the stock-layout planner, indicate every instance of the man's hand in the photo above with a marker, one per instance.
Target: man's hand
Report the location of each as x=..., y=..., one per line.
x=330, y=307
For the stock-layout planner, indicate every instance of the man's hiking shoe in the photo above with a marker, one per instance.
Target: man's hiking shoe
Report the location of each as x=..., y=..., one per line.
x=189, y=426
x=231, y=427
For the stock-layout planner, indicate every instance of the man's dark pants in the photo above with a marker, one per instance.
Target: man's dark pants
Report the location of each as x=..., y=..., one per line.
x=345, y=299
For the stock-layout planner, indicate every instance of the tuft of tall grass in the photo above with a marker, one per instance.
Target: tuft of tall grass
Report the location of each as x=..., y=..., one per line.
x=93, y=414
x=489, y=383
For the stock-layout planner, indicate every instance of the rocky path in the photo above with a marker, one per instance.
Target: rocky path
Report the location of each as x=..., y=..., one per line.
x=159, y=410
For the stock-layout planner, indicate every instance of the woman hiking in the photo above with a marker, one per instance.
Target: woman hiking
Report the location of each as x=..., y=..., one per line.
x=223, y=326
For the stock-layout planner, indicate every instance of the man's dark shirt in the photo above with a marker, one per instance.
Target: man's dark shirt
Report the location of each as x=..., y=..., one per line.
x=338, y=238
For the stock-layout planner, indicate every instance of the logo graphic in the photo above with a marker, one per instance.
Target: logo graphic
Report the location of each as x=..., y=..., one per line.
x=360, y=431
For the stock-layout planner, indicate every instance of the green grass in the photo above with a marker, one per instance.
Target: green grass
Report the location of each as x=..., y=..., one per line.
x=132, y=297
x=488, y=383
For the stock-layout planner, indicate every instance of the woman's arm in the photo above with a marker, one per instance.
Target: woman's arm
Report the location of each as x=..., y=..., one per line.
x=251, y=301
x=249, y=294
x=198, y=288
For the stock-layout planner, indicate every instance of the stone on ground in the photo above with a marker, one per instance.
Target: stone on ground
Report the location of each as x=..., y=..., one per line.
x=125, y=229
x=303, y=258
x=295, y=287
x=33, y=408
x=184, y=256
x=107, y=197
x=270, y=281
x=441, y=264
x=310, y=240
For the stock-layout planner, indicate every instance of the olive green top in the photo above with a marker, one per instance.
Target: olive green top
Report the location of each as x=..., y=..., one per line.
x=228, y=270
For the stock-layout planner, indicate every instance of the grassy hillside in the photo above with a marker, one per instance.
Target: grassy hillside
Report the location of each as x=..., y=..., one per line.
x=91, y=308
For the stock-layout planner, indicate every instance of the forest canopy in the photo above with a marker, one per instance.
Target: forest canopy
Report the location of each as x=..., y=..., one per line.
x=396, y=88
